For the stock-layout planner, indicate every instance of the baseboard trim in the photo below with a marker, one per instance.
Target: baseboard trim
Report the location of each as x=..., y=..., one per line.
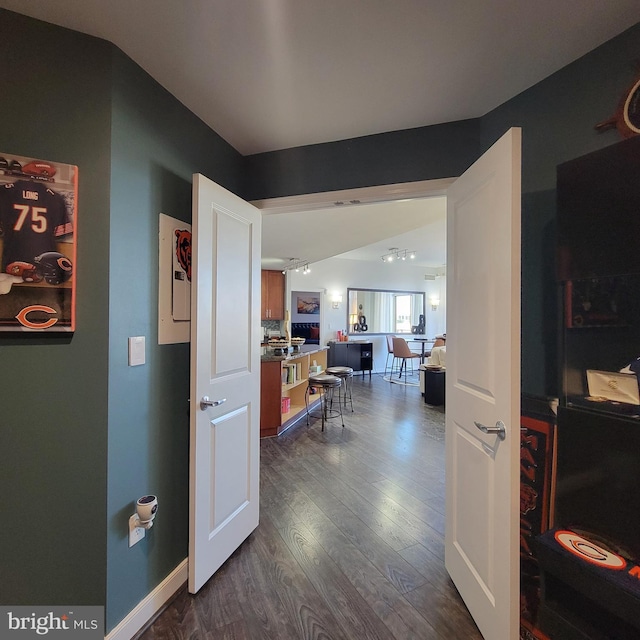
x=147, y=608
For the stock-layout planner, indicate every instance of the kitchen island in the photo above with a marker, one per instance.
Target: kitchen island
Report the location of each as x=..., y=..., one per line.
x=283, y=385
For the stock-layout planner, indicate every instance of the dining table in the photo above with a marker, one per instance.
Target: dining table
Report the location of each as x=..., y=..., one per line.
x=423, y=342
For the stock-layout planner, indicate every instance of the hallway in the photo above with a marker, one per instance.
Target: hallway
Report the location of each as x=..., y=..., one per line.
x=351, y=537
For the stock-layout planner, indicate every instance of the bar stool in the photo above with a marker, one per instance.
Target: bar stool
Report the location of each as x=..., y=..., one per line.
x=346, y=375
x=328, y=384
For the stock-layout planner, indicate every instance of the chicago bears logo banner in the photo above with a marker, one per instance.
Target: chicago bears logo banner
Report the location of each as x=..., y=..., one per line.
x=38, y=217
x=536, y=456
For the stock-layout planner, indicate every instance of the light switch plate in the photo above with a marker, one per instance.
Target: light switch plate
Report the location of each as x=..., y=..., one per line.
x=136, y=351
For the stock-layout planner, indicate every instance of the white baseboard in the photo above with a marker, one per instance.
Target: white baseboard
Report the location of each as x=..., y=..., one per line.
x=147, y=608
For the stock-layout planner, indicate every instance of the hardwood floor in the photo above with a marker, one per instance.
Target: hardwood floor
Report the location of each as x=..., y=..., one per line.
x=351, y=537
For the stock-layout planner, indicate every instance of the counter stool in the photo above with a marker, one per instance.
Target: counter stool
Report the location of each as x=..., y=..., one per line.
x=346, y=375
x=328, y=384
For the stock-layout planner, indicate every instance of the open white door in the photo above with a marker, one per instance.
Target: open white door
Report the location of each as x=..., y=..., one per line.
x=483, y=388
x=225, y=377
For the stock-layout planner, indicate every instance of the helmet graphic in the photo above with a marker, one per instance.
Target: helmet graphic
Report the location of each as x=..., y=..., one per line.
x=54, y=267
x=25, y=270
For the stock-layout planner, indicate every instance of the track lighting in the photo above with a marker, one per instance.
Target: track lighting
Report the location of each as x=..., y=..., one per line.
x=398, y=254
x=297, y=265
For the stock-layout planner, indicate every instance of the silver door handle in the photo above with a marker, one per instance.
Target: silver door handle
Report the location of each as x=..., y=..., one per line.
x=205, y=402
x=498, y=429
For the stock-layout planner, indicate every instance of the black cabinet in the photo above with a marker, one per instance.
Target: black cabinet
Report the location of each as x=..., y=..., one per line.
x=357, y=355
x=598, y=221
x=597, y=481
x=434, y=383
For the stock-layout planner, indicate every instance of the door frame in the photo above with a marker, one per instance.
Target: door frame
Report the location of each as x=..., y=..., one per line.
x=345, y=198
x=358, y=196
x=350, y=197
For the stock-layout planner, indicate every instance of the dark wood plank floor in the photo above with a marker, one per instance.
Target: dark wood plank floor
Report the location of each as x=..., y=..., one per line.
x=351, y=537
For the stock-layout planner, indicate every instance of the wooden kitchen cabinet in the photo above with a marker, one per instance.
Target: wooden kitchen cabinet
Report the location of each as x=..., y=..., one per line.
x=274, y=386
x=272, y=295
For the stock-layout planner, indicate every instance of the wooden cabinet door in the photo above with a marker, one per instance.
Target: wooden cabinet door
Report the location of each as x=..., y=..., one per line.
x=264, y=306
x=354, y=356
x=276, y=295
x=338, y=354
x=270, y=398
x=272, y=305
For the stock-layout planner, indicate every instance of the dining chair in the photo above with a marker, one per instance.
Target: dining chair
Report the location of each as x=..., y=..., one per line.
x=389, y=355
x=401, y=351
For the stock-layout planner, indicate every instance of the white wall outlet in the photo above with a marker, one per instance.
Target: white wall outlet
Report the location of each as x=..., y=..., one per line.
x=136, y=351
x=135, y=533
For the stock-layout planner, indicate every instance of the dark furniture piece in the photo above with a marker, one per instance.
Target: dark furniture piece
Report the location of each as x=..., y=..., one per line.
x=586, y=596
x=310, y=331
x=434, y=383
x=597, y=489
x=357, y=355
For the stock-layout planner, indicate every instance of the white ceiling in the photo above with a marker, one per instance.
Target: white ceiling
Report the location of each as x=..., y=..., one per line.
x=274, y=74
x=359, y=232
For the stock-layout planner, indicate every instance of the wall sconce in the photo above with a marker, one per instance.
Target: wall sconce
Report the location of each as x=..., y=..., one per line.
x=398, y=254
x=435, y=301
x=336, y=299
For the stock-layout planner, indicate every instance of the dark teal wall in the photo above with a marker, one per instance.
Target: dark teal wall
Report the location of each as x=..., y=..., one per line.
x=557, y=117
x=157, y=144
x=83, y=435
x=55, y=105
x=424, y=153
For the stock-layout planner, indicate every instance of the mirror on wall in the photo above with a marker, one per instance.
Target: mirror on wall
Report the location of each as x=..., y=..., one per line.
x=385, y=311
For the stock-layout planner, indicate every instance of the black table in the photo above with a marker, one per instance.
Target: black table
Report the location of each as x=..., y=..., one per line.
x=434, y=384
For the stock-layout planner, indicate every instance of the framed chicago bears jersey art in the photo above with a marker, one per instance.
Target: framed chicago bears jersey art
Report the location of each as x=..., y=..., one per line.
x=38, y=218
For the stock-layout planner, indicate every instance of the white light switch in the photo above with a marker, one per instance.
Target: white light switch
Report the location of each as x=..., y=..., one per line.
x=136, y=351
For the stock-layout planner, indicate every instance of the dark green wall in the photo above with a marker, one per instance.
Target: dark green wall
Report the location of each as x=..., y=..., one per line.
x=55, y=105
x=157, y=144
x=557, y=117
x=83, y=435
x=424, y=153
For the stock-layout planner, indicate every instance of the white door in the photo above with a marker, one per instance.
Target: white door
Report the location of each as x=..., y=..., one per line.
x=225, y=377
x=483, y=388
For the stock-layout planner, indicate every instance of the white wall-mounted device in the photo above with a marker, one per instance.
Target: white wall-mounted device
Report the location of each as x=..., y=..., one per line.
x=142, y=519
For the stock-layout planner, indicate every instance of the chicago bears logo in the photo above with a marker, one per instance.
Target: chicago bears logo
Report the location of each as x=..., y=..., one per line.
x=38, y=321
x=589, y=551
x=528, y=499
x=55, y=267
x=183, y=250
